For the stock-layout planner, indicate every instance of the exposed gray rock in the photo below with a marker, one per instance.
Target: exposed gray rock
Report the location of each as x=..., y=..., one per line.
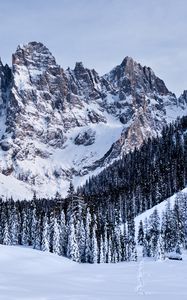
x=5, y=146
x=183, y=99
x=85, y=138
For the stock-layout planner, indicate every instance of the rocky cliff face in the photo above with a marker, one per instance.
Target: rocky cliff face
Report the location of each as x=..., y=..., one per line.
x=183, y=100
x=142, y=102
x=57, y=125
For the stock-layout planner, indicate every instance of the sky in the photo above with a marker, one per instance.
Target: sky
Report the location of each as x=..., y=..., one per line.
x=100, y=33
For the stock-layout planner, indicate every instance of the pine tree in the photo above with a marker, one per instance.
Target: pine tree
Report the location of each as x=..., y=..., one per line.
x=94, y=245
x=45, y=235
x=178, y=224
x=63, y=234
x=167, y=230
x=13, y=225
x=102, y=251
x=72, y=246
x=146, y=250
x=56, y=237
x=25, y=231
x=182, y=201
x=154, y=232
x=140, y=234
x=131, y=252
x=36, y=230
x=81, y=240
x=88, y=237
x=109, y=252
x=6, y=234
x=71, y=191
x=160, y=253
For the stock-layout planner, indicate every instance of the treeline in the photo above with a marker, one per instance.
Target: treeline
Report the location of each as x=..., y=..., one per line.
x=166, y=235
x=68, y=228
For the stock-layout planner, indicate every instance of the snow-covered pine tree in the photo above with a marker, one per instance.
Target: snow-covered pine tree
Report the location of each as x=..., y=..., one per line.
x=36, y=229
x=131, y=244
x=25, y=229
x=182, y=201
x=63, y=234
x=101, y=251
x=94, y=244
x=88, y=237
x=45, y=235
x=160, y=253
x=178, y=223
x=71, y=191
x=14, y=225
x=140, y=234
x=56, y=236
x=154, y=232
x=123, y=243
x=81, y=239
x=167, y=229
x=146, y=250
x=72, y=246
x=109, y=252
x=6, y=234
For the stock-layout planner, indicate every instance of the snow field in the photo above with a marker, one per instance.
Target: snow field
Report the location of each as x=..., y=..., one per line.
x=28, y=274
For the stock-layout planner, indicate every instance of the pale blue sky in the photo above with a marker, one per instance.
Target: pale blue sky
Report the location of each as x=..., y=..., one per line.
x=102, y=32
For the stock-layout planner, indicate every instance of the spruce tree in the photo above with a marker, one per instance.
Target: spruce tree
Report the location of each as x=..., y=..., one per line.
x=140, y=234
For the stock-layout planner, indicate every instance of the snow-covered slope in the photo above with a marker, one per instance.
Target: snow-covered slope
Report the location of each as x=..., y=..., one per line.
x=161, y=207
x=11, y=187
x=31, y=274
x=57, y=125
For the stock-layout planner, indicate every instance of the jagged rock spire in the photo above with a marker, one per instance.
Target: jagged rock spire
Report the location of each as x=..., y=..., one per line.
x=33, y=54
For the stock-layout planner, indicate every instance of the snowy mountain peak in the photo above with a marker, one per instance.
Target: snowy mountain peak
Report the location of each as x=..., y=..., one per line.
x=33, y=54
x=79, y=67
x=85, y=82
x=132, y=77
x=1, y=64
x=128, y=63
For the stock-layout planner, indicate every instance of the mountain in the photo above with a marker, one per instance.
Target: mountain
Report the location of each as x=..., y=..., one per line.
x=57, y=125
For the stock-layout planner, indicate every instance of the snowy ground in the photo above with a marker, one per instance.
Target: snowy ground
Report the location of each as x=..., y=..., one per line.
x=27, y=274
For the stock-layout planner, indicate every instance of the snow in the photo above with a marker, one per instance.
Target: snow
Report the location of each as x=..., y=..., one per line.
x=174, y=255
x=10, y=186
x=160, y=208
x=105, y=135
x=33, y=275
x=173, y=111
x=22, y=79
x=2, y=123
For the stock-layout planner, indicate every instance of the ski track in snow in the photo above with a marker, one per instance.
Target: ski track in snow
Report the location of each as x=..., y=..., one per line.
x=140, y=280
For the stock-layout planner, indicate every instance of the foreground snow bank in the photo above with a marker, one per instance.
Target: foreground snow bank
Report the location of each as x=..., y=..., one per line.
x=27, y=274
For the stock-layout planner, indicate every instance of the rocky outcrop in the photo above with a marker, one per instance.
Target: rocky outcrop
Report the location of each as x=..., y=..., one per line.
x=86, y=138
x=183, y=100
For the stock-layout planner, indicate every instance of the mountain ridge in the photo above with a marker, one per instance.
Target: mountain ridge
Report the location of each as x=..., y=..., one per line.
x=59, y=125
